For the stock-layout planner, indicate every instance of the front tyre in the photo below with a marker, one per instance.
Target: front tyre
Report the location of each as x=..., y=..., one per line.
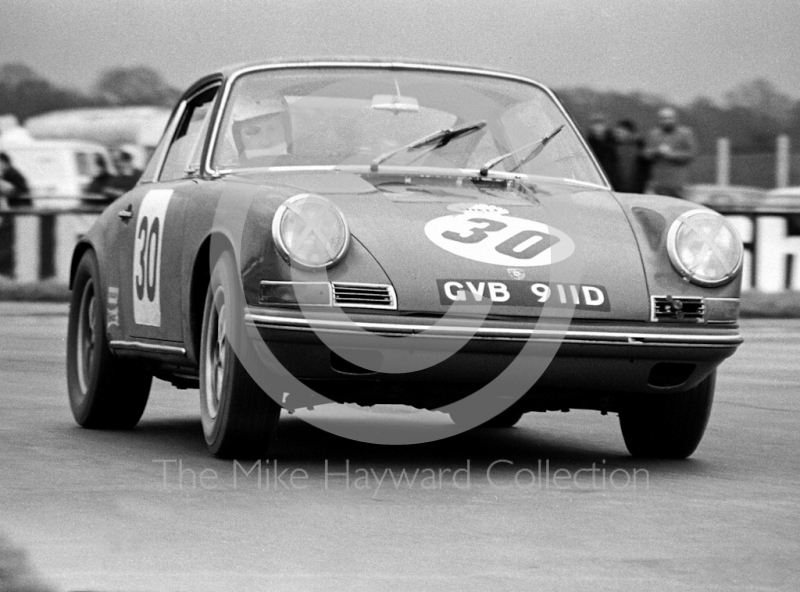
x=239, y=419
x=105, y=392
x=667, y=426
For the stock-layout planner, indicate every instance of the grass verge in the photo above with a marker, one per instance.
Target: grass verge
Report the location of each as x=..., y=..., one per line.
x=34, y=292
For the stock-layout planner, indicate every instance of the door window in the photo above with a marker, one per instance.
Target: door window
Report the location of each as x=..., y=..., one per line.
x=183, y=156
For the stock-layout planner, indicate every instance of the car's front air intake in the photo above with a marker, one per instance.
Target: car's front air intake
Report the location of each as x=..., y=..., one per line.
x=678, y=309
x=346, y=294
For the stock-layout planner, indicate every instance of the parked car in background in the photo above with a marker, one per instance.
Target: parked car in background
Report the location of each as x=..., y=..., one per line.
x=347, y=214
x=136, y=130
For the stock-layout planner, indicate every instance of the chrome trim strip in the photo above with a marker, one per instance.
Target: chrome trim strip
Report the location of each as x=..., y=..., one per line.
x=266, y=321
x=166, y=138
x=428, y=172
x=148, y=347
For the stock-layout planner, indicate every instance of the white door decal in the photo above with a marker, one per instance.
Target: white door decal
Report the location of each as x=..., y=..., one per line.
x=147, y=257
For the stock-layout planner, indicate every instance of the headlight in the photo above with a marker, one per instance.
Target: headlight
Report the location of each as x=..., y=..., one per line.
x=310, y=232
x=705, y=248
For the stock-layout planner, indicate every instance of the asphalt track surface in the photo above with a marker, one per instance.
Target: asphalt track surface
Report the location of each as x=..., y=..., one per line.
x=97, y=511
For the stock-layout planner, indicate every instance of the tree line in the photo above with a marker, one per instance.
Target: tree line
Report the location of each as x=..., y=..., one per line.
x=24, y=93
x=751, y=114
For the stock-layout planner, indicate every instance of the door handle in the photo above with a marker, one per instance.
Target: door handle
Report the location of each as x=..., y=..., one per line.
x=127, y=213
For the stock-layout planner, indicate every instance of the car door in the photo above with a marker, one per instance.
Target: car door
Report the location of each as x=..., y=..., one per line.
x=152, y=229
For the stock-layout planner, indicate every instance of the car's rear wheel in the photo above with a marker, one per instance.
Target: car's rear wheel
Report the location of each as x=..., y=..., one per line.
x=239, y=419
x=667, y=426
x=105, y=392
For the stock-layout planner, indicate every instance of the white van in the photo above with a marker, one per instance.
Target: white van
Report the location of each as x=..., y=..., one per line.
x=136, y=130
x=58, y=171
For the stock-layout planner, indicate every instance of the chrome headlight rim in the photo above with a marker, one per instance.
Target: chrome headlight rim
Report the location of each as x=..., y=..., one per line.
x=280, y=244
x=680, y=266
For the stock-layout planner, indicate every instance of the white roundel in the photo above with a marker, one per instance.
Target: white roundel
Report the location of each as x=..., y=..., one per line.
x=490, y=237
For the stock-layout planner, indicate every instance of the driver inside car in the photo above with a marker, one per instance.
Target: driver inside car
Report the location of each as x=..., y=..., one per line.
x=259, y=127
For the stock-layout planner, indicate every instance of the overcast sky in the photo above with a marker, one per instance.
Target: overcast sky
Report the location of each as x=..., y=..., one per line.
x=677, y=48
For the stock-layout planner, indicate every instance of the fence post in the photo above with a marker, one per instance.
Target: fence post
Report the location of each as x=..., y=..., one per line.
x=782, y=164
x=723, y=161
x=26, y=248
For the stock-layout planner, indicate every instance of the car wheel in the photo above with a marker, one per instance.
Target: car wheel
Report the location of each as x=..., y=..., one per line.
x=105, y=392
x=667, y=426
x=239, y=419
x=504, y=419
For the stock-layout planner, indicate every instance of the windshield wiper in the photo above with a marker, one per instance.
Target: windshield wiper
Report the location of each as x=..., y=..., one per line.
x=438, y=139
x=536, y=146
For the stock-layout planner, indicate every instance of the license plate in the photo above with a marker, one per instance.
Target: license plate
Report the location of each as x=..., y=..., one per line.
x=524, y=294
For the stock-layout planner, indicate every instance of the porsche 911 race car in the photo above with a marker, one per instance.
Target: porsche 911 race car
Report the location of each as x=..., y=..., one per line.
x=396, y=233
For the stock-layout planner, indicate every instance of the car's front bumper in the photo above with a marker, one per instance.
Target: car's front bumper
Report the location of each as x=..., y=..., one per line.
x=586, y=357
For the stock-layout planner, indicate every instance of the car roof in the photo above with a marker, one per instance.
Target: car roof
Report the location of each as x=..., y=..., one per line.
x=398, y=63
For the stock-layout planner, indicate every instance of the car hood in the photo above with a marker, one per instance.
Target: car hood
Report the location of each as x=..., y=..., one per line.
x=440, y=241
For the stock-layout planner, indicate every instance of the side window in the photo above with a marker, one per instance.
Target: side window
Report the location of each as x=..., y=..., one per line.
x=149, y=174
x=183, y=156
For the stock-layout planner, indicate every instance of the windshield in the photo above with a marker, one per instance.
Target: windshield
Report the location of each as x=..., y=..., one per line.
x=355, y=116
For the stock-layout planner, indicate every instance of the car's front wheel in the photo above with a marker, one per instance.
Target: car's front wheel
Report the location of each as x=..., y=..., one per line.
x=239, y=419
x=105, y=392
x=667, y=426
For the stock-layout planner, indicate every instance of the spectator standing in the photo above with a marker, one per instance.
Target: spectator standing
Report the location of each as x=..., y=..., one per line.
x=670, y=149
x=13, y=185
x=101, y=178
x=13, y=193
x=126, y=178
x=602, y=142
x=632, y=165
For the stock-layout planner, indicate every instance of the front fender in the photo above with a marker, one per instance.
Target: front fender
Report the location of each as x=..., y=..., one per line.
x=651, y=218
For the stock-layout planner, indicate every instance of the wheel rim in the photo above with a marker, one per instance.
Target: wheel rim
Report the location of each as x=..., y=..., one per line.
x=216, y=353
x=87, y=320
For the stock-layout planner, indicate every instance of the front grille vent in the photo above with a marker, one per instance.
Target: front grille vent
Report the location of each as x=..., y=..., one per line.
x=679, y=309
x=347, y=294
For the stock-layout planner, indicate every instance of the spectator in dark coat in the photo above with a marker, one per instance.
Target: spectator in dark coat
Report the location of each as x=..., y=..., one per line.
x=13, y=193
x=126, y=178
x=670, y=148
x=101, y=179
x=632, y=165
x=13, y=185
x=602, y=142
